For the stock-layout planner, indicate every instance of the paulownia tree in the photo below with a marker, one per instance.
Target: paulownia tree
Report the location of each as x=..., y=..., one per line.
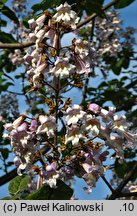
x=55, y=51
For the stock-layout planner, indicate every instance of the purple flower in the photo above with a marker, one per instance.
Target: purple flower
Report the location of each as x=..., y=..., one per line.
x=22, y=127
x=95, y=108
x=51, y=167
x=33, y=125
x=81, y=65
x=28, y=58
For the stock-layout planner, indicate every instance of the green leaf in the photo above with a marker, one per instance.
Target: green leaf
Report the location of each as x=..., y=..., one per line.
x=16, y=197
x=122, y=169
x=4, y=153
x=3, y=23
x=41, y=194
x=37, y=7
x=3, y=87
x=120, y=63
x=62, y=192
x=94, y=7
x=18, y=184
x=126, y=62
x=123, y=3
x=116, y=70
x=25, y=22
x=45, y=4
x=10, y=163
x=118, y=66
x=103, y=84
x=9, y=13
x=2, y=2
x=1, y=127
x=6, y=75
x=6, y=38
x=6, y=198
x=130, y=153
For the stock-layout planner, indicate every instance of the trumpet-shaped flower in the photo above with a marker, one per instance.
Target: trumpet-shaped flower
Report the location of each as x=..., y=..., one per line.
x=82, y=47
x=81, y=65
x=74, y=114
x=66, y=15
x=51, y=175
x=48, y=125
x=92, y=125
x=74, y=134
x=62, y=68
x=40, y=20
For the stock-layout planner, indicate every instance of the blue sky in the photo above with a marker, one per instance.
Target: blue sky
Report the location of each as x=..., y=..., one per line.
x=128, y=15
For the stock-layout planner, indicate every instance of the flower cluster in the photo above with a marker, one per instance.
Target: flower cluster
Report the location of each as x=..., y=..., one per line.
x=77, y=149
x=24, y=138
x=114, y=129
x=92, y=165
x=48, y=57
x=108, y=31
x=9, y=106
x=84, y=56
x=108, y=38
x=87, y=163
x=80, y=125
x=66, y=15
x=22, y=143
x=128, y=35
x=19, y=31
x=16, y=58
x=50, y=175
x=82, y=131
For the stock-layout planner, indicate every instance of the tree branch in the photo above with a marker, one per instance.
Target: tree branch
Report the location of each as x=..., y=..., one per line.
x=127, y=178
x=13, y=173
x=16, y=93
x=30, y=43
x=107, y=183
x=16, y=45
x=84, y=93
x=130, y=194
x=89, y=18
x=8, y=177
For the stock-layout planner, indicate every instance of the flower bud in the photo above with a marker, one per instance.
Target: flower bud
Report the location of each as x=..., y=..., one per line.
x=19, y=120
x=32, y=23
x=22, y=127
x=33, y=125
x=51, y=167
x=40, y=20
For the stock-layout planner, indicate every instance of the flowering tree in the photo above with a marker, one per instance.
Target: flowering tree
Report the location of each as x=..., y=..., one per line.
x=54, y=139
